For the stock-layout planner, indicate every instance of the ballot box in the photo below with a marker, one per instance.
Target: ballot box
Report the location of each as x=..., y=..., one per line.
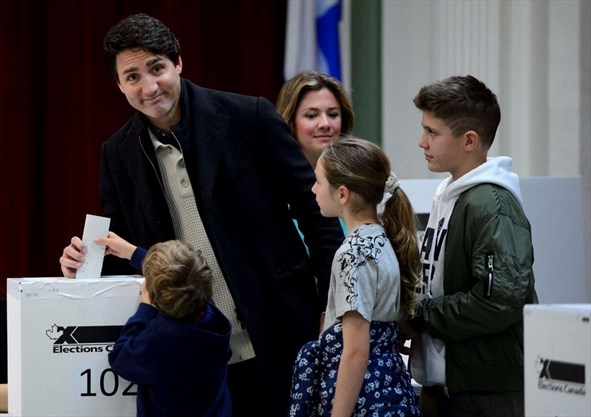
x=557, y=360
x=59, y=334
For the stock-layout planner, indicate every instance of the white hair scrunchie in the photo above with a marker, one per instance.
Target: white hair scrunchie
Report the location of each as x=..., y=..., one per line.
x=392, y=183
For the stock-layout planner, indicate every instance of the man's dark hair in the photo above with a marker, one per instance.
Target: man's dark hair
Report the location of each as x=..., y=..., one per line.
x=463, y=103
x=140, y=32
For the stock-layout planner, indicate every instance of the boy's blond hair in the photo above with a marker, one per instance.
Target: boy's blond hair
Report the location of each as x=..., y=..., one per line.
x=178, y=279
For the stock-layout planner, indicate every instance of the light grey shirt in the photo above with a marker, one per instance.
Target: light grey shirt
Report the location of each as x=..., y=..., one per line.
x=365, y=277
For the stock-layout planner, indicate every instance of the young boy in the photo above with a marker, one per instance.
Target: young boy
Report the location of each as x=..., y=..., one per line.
x=477, y=257
x=176, y=346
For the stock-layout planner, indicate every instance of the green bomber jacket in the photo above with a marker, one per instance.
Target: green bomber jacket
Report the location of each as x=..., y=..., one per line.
x=488, y=279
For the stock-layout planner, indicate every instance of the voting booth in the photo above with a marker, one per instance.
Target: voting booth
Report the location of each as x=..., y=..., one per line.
x=59, y=334
x=557, y=360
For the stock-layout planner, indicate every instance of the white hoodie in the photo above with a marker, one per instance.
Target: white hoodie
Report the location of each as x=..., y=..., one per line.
x=496, y=170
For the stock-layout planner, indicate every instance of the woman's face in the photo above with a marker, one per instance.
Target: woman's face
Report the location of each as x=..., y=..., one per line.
x=317, y=122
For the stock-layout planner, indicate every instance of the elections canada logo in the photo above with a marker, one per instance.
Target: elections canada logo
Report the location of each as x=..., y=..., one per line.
x=83, y=339
x=563, y=377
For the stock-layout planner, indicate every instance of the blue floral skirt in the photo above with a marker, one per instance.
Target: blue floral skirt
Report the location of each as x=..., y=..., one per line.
x=386, y=391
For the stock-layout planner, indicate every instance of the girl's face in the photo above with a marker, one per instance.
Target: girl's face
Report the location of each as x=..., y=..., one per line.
x=326, y=194
x=317, y=121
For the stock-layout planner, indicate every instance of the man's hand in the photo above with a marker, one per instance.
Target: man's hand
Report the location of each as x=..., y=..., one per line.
x=73, y=257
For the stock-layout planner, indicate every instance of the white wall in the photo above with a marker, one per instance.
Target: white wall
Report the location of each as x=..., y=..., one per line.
x=535, y=55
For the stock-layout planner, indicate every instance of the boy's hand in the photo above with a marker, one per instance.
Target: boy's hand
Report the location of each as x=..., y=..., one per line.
x=144, y=295
x=116, y=246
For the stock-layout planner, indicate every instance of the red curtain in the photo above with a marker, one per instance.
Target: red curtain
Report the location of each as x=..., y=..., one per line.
x=58, y=103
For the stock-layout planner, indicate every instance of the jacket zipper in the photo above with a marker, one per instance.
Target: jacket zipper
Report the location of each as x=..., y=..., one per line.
x=489, y=267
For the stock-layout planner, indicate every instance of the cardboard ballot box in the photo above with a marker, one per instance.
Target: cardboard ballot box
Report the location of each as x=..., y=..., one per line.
x=59, y=334
x=557, y=360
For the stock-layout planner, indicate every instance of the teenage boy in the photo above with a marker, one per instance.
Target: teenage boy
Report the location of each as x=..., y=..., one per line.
x=477, y=257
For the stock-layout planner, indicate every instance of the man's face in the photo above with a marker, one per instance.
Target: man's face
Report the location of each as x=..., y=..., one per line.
x=151, y=84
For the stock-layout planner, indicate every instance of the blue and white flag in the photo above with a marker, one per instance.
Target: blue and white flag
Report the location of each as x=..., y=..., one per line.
x=312, y=37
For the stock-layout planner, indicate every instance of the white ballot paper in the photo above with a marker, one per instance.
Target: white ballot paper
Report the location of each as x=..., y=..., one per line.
x=95, y=226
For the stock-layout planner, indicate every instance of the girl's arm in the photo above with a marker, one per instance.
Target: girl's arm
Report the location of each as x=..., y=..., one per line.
x=353, y=364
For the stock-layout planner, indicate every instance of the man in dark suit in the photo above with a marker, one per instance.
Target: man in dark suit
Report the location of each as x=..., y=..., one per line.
x=228, y=160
